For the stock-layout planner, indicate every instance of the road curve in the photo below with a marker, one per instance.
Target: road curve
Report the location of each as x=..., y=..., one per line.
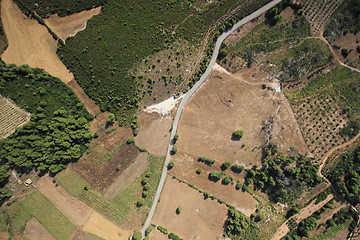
x=187, y=97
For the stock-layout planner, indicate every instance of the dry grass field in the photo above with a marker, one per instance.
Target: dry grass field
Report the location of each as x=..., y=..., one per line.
x=11, y=117
x=199, y=219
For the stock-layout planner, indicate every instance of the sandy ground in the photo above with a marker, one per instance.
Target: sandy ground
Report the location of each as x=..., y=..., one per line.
x=156, y=234
x=30, y=43
x=228, y=102
x=105, y=229
x=68, y=26
x=89, y=104
x=154, y=132
x=164, y=108
x=77, y=211
x=200, y=219
x=5, y=235
x=35, y=231
x=185, y=169
x=128, y=176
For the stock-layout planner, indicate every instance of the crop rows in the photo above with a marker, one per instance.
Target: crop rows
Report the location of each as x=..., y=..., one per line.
x=98, y=203
x=11, y=117
x=318, y=13
x=48, y=215
x=320, y=121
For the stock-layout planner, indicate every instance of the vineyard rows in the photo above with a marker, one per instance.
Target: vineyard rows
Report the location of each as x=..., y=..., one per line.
x=11, y=117
x=48, y=215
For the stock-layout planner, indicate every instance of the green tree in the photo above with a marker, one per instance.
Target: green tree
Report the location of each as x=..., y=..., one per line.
x=238, y=134
x=111, y=118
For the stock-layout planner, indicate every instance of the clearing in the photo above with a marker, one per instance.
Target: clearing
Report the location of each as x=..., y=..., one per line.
x=102, y=227
x=11, y=117
x=228, y=102
x=69, y=26
x=208, y=215
x=153, y=132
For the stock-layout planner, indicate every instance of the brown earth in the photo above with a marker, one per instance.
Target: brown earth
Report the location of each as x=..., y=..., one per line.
x=199, y=219
x=154, y=132
x=228, y=102
x=100, y=175
x=185, y=169
x=349, y=42
x=128, y=176
x=89, y=104
x=76, y=211
x=342, y=235
x=30, y=43
x=5, y=235
x=35, y=231
x=68, y=26
x=101, y=227
x=156, y=234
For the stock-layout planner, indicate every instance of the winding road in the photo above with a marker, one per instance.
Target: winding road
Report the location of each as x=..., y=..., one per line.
x=187, y=97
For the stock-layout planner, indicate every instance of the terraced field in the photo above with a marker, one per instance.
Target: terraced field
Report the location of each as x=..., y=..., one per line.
x=11, y=117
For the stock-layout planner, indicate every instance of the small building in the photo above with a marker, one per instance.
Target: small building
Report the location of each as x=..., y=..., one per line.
x=28, y=182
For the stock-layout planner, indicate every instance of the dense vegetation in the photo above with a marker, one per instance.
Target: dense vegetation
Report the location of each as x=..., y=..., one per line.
x=236, y=224
x=282, y=182
x=45, y=8
x=104, y=56
x=345, y=19
x=345, y=176
x=58, y=131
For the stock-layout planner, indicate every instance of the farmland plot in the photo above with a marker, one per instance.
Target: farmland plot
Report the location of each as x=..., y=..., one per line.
x=11, y=117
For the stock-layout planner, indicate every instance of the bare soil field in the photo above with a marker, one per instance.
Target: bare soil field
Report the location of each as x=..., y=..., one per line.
x=226, y=103
x=128, y=176
x=89, y=104
x=35, y=231
x=68, y=26
x=105, y=229
x=185, y=169
x=156, y=234
x=342, y=235
x=102, y=174
x=77, y=211
x=349, y=42
x=153, y=133
x=11, y=117
x=208, y=215
x=30, y=43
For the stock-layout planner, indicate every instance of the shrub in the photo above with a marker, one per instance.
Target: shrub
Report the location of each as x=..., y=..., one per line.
x=178, y=210
x=344, y=52
x=163, y=230
x=238, y=134
x=207, y=161
x=110, y=130
x=198, y=171
x=207, y=195
x=149, y=229
x=227, y=180
x=111, y=118
x=238, y=185
x=215, y=176
x=225, y=166
x=141, y=149
x=174, y=150
x=96, y=135
x=136, y=236
x=174, y=237
x=176, y=137
x=237, y=168
x=140, y=203
x=130, y=141
x=170, y=165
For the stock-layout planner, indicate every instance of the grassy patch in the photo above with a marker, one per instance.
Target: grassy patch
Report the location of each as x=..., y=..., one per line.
x=89, y=236
x=264, y=38
x=49, y=216
x=72, y=182
x=18, y=217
